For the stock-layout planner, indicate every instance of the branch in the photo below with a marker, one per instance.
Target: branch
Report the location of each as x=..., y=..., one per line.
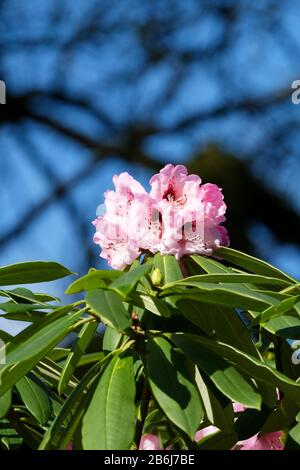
x=59, y=192
x=248, y=105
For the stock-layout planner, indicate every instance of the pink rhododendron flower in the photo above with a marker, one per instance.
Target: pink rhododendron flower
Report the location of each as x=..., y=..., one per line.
x=270, y=441
x=149, y=442
x=120, y=230
x=205, y=432
x=179, y=216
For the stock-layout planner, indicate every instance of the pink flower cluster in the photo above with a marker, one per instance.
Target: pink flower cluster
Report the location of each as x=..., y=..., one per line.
x=270, y=441
x=178, y=216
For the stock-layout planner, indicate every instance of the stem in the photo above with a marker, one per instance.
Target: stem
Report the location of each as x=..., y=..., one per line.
x=183, y=268
x=81, y=322
x=78, y=302
x=290, y=289
x=145, y=400
x=146, y=393
x=278, y=358
x=191, y=445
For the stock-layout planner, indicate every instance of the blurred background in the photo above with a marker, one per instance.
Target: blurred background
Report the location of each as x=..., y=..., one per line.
x=96, y=87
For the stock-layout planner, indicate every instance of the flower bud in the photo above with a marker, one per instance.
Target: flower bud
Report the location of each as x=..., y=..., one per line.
x=156, y=277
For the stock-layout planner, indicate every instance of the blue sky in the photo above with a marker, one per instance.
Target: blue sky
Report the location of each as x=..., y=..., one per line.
x=105, y=69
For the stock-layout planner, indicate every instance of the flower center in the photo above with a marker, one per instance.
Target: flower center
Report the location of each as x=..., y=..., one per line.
x=170, y=192
x=172, y=195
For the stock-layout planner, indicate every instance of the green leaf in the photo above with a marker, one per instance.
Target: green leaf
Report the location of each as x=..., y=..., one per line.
x=5, y=403
x=150, y=303
x=250, y=365
x=220, y=414
x=296, y=308
x=293, y=440
x=31, y=436
x=90, y=358
x=109, y=422
x=285, y=326
x=218, y=441
x=59, y=354
x=252, y=264
x=281, y=417
x=11, y=307
x=82, y=342
x=276, y=310
x=217, y=321
x=50, y=371
x=21, y=294
x=43, y=321
x=153, y=420
x=111, y=339
x=225, y=324
x=73, y=427
x=32, y=272
x=59, y=426
x=199, y=313
x=250, y=422
x=168, y=266
x=225, y=376
x=6, y=337
x=93, y=280
x=109, y=308
x=28, y=349
x=232, y=296
x=35, y=398
x=173, y=386
x=127, y=282
x=210, y=265
x=228, y=278
x=9, y=438
x=28, y=317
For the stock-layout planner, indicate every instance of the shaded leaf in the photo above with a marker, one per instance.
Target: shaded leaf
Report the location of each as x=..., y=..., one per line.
x=224, y=375
x=35, y=398
x=232, y=296
x=28, y=349
x=173, y=386
x=218, y=441
x=285, y=326
x=219, y=413
x=82, y=342
x=5, y=403
x=228, y=278
x=250, y=365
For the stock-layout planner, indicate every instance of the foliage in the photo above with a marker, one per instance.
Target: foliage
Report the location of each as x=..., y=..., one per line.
x=176, y=352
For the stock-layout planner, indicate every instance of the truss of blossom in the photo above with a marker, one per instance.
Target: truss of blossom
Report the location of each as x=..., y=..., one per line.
x=178, y=216
x=269, y=441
